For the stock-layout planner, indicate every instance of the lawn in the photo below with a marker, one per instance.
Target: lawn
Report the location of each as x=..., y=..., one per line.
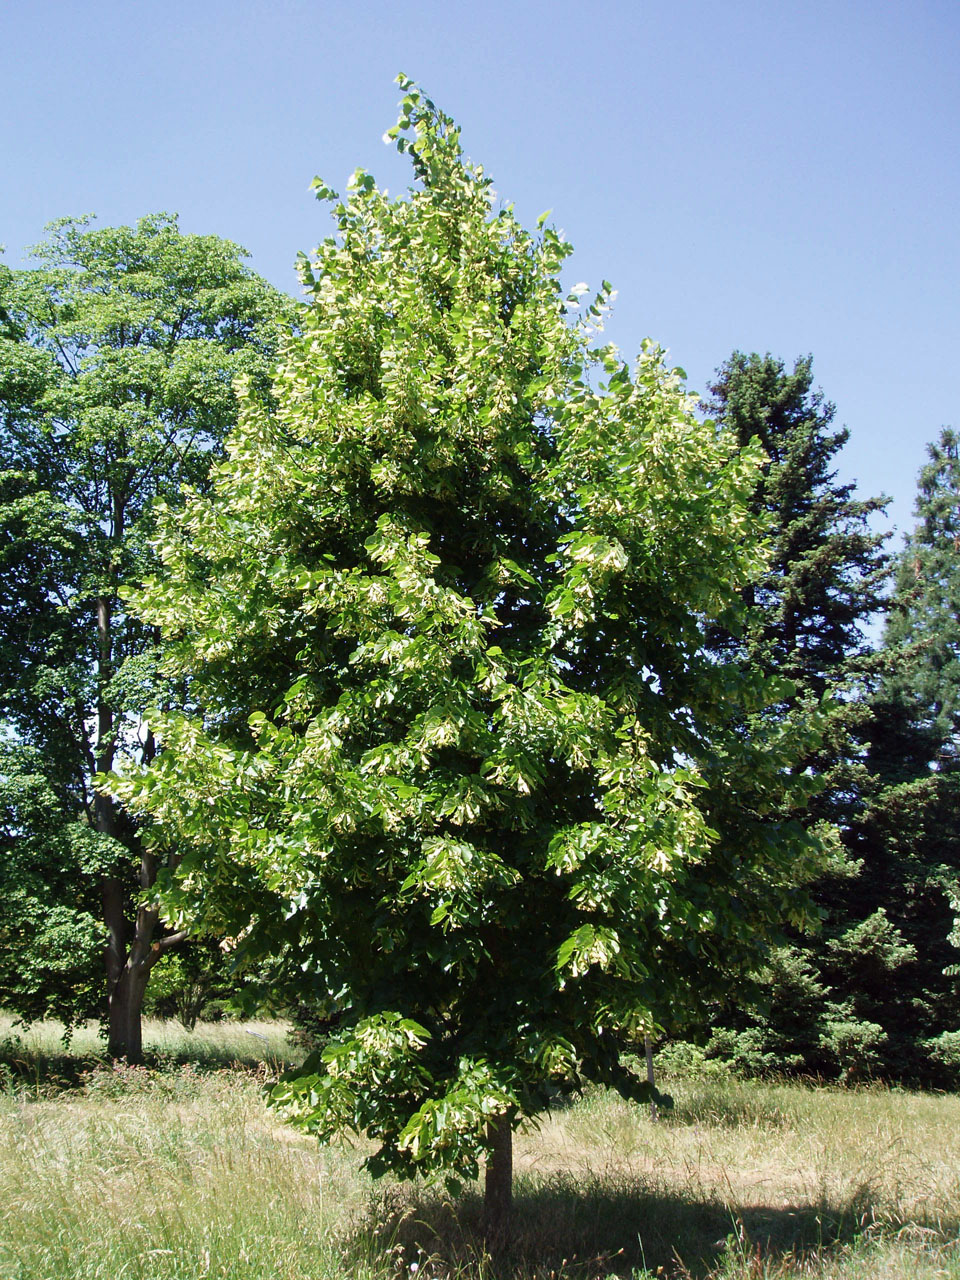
x=178, y=1171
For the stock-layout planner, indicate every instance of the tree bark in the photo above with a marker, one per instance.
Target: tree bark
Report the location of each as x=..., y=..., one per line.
x=124, y=984
x=131, y=951
x=126, y=1009
x=498, y=1183
x=128, y=987
x=648, y=1053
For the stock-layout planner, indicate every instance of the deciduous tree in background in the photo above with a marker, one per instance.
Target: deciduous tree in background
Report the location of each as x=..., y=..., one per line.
x=117, y=357
x=454, y=757
x=51, y=933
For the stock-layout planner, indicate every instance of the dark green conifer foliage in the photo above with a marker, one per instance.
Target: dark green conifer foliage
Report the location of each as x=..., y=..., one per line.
x=807, y=621
x=909, y=834
x=826, y=575
x=924, y=620
x=880, y=985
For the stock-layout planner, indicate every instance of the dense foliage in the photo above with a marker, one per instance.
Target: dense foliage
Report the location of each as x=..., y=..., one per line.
x=875, y=993
x=810, y=606
x=455, y=755
x=909, y=839
x=807, y=619
x=118, y=352
x=494, y=740
x=51, y=938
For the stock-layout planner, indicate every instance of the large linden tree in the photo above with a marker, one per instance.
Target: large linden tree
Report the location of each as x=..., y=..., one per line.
x=453, y=759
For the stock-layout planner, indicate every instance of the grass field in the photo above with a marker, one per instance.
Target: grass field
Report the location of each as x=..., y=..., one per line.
x=177, y=1171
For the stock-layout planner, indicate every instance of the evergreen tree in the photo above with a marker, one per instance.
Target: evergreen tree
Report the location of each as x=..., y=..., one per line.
x=924, y=620
x=810, y=608
x=909, y=835
x=807, y=620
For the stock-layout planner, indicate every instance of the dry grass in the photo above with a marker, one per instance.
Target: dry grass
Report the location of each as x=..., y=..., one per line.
x=179, y=1172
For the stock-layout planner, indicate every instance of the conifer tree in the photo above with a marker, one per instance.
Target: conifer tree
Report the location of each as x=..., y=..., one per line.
x=810, y=609
x=924, y=620
x=807, y=621
x=909, y=836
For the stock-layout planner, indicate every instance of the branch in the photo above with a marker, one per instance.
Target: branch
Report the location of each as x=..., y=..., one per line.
x=162, y=945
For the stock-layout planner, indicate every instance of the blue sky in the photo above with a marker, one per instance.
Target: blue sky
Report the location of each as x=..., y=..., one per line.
x=771, y=176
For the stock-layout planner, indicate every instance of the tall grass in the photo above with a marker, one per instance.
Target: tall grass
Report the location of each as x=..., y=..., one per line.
x=164, y=1041
x=177, y=1171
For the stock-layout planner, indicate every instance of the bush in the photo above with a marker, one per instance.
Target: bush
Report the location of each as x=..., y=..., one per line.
x=857, y=1046
x=690, y=1061
x=944, y=1051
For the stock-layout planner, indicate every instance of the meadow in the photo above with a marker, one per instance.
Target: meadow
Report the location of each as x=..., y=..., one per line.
x=178, y=1171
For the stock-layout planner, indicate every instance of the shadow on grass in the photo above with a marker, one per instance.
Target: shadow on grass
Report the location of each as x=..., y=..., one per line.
x=726, y=1104
x=568, y=1228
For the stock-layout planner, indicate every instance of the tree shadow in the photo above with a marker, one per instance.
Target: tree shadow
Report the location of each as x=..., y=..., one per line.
x=568, y=1228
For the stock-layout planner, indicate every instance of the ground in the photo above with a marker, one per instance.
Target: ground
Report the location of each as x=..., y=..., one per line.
x=177, y=1171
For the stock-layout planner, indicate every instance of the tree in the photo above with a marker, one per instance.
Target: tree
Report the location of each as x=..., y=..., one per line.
x=51, y=939
x=810, y=609
x=807, y=620
x=909, y=834
x=924, y=620
x=117, y=357
x=453, y=757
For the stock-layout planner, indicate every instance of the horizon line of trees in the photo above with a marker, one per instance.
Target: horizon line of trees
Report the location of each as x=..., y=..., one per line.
x=119, y=353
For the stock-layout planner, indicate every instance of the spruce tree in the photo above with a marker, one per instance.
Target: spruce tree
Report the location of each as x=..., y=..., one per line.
x=909, y=834
x=924, y=622
x=827, y=570
x=807, y=620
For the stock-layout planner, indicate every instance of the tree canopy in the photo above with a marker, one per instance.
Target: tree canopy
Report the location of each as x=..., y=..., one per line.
x=808, y=618
x=825, y=577
x=454, y=754
x=118, y=354
x=924, y=619
x=875, y=994
x=909, y=836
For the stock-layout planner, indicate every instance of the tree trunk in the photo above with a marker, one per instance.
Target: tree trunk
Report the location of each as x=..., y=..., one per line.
x=125, y=981
x=131, y=951
x=126, y=1006
x=648, y=1052
x=128, y=978
x=498, y=1183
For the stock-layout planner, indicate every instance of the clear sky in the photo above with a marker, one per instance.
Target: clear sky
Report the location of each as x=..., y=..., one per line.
x=762, y=174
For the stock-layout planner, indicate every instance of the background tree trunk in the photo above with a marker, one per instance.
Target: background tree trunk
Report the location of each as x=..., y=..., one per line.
x=129, y=976
x=498, y=1182
x=648, y=1053
x=126, y=1007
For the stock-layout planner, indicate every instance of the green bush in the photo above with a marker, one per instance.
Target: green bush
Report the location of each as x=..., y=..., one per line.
x=856, y=1045
x=944, y=1050
x=682, y=1058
